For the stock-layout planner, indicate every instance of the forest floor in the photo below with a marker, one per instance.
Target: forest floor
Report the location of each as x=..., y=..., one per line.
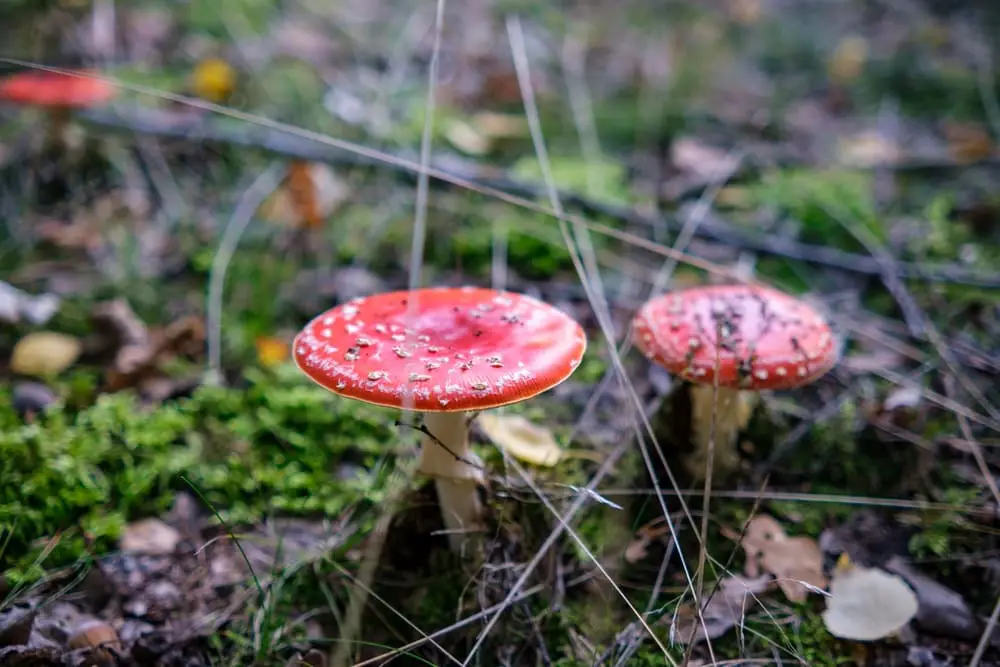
x=174, y=491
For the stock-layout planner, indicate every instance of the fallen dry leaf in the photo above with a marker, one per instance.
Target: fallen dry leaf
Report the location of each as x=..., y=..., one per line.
x=302, y=192
x=117, y=318
x=727, y=607
x=271, y=350
x=703, y=161
x=847, y=60
x=654, y=530
x=483, y=131
x=466, y=138
x=311, y=193
x=499, y=125
x=150, y=536
x=868, y=149
x=968, y=142
x=796, y=562
x=44, y=353
x=520, y=438
x=866, y=604
x=213, y=79
x=142, y=352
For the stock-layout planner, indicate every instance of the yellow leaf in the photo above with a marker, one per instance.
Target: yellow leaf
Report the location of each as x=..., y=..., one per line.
x=271, y=351
x=213, y=79
x=521, y=439
x=844, y=562
x=848, y=59
x=44, y=353
x=868, y=149
x=466, y=138
x=499, y=125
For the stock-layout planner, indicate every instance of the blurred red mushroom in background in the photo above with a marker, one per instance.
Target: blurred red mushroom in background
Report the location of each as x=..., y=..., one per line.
x=742, y=338
x=443, y=352
x=56, y=92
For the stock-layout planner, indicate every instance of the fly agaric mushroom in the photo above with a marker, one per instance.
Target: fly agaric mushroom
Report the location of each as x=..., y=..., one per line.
x=743, y=338
x=59, y=93
x=443, y=352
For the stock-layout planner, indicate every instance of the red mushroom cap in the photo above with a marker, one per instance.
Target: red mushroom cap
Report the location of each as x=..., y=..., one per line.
x=764, y=339
x=54, y=89
x=465, y=348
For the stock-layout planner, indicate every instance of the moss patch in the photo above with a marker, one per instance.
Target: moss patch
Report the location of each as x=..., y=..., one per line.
x=277, y=444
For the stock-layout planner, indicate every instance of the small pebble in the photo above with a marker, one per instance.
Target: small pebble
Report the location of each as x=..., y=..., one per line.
x=94, y=633
x=16, y=622
x=30, y=398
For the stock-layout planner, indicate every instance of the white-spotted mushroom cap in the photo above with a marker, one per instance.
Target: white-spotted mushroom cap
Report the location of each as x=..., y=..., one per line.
x=441, y=349
x=759, y=337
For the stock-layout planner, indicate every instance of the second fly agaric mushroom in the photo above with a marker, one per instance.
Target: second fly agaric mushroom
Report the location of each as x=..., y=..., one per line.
x=56, y=92
x=443, y=352
x=743, y=339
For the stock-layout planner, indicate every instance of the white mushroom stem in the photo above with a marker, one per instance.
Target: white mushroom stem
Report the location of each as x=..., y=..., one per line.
x=456, y=470
x=732, y=409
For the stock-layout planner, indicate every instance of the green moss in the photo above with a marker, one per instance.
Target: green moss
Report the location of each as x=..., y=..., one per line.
x=594, y=364
x=599, y=180
x=246, y=17
x=942, y=532
x=813, y=642
x=825, y=202
x=275, y=445
x=538, y=254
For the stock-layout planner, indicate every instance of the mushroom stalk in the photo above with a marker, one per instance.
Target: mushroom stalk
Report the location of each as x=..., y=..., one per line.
x=58, y=122
x=732, y=409
x=457, y=472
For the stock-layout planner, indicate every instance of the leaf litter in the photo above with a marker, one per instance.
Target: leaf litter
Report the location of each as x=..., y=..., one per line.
x=795, y=562
x=178, y=579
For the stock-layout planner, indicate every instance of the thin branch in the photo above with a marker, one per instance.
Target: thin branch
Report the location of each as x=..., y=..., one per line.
x=273, y=140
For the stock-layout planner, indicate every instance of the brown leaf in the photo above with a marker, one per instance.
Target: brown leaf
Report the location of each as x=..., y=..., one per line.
x=701, y=160
x=310, y=193
x=968, y=142
x=796, y=562
x=636, y=550
x=726, y=608
x=137, y=363
x=303, y=193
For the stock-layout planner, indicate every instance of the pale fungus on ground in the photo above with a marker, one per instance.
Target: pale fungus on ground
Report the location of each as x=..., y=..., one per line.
x=443, y=352
x=867, y=604
x=729, y=342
